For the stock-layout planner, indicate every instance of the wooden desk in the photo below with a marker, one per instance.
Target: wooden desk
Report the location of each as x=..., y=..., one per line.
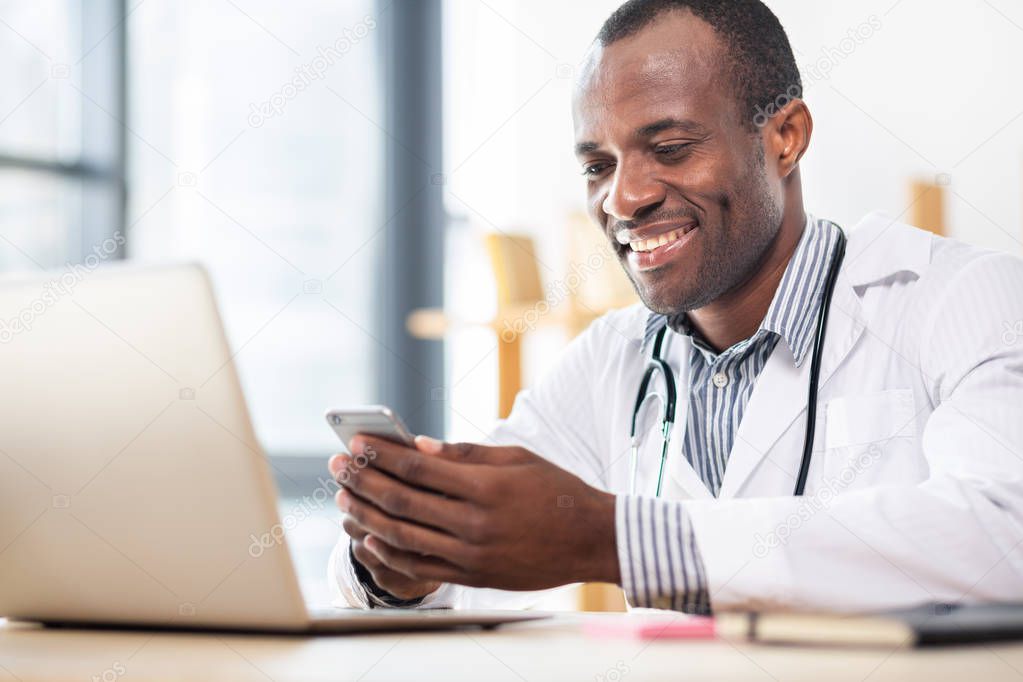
x=554, y=650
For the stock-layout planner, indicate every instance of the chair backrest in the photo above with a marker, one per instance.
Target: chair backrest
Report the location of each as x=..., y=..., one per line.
x=516, y=271
x=927, y=210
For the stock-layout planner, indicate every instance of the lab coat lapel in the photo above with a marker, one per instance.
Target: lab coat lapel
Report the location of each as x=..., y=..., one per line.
x=845, y=325
x=779, y=396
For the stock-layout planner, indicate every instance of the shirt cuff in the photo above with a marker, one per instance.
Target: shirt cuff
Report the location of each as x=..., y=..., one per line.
x=348, y=591
x=376, y=595
x=660, y=563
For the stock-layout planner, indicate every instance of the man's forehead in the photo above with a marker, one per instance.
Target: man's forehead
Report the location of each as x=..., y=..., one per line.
x=676, y=58
x=645, y=77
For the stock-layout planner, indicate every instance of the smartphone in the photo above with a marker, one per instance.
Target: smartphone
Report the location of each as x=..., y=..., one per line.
x=372, y=420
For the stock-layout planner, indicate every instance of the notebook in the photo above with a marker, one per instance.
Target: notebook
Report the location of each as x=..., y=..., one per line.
x=929, y=625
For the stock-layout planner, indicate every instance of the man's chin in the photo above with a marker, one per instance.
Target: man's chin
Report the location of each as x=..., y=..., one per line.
x=661, y=289
x=671, y=301
x=666, y=303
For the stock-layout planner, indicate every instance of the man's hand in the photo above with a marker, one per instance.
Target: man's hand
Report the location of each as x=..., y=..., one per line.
x=498, y=517
x=397, y=584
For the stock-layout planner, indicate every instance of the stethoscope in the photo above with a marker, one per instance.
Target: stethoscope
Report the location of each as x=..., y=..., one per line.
x=657, y=365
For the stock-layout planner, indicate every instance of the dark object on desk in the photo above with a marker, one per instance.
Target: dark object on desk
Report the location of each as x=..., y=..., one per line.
x=930, y=625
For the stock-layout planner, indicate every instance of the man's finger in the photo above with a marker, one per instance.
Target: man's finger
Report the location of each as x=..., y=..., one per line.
x=335, y=464
x=415, y=468
x=368, y=559
x=465, y=453
x=405, y=502
x=398, y=533
x=415, y=566
x=352, y=528
x=388, y=579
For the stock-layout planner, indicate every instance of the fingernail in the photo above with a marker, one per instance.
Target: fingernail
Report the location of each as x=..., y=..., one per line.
x=429, y=445
x=344, y=501
x=336, y=464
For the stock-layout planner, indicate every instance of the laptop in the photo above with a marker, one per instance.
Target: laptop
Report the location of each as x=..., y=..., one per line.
x=133, y=490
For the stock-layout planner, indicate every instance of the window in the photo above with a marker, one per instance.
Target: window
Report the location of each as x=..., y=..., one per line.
x=255, y=151
x=61, y=144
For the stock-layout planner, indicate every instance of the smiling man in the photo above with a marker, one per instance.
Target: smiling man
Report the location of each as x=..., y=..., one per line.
x=846, y=432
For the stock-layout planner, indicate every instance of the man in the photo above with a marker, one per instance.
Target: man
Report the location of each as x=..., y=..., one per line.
x=914, y=491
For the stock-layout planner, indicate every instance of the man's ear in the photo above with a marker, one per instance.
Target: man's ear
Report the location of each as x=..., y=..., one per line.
x=787, y=136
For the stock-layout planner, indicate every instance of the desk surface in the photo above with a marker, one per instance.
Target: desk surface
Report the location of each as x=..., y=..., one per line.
x=552, y=650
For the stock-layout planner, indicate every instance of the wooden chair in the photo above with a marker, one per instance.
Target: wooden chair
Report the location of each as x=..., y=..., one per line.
x=519, y=288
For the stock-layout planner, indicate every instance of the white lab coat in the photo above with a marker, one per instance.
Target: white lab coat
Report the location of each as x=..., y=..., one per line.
x=915, y=491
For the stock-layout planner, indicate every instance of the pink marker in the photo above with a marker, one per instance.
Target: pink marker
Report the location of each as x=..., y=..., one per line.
x=638, y=627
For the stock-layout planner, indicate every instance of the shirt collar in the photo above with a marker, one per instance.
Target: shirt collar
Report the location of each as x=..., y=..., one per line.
x=792, y=314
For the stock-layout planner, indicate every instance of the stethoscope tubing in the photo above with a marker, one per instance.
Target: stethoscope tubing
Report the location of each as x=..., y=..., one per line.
x=657, y=365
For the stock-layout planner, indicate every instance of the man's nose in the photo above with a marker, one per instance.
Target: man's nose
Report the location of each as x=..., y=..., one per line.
x=632, y=194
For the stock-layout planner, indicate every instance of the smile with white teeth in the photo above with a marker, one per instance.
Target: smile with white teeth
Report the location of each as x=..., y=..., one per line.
x=656, y=241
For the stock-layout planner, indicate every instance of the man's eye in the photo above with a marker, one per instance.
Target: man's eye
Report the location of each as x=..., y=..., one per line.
x=669, y=149
x=594, y=170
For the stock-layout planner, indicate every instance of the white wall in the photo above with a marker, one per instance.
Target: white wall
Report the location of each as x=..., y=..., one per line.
x=935, y=88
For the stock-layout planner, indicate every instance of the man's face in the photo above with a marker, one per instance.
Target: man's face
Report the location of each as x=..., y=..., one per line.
x=671, y=169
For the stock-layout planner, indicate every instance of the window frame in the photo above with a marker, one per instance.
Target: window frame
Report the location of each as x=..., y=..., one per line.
x=411, y=277
x=103, y=36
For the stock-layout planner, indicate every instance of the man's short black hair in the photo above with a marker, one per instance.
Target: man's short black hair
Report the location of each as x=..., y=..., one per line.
x=764, y=70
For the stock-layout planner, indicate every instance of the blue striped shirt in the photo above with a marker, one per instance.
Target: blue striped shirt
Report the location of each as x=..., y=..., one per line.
x=660, y=561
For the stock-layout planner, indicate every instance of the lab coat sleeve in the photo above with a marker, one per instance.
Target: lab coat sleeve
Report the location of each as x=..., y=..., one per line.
x=345, y=588
x=954, y=537
x=554, y=419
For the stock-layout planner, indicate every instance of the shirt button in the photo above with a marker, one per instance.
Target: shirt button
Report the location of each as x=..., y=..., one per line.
x=720, y=379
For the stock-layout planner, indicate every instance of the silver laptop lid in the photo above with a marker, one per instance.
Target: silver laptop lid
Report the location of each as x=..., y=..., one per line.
x=132, y=488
